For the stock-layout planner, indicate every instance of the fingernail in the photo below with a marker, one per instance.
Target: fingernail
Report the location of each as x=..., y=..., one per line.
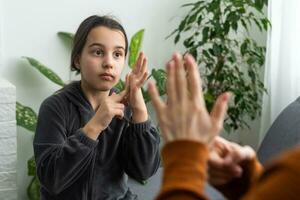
x=226, y=96
x=176, y=55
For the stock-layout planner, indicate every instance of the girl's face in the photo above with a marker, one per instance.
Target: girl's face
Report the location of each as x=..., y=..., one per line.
x=102, y=58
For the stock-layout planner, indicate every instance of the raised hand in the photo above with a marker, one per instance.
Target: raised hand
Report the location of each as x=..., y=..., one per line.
x=184, y=116
x=225, y=160
x=136, y=79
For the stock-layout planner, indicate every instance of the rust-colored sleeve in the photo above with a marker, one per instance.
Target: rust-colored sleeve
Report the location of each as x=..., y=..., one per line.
x=238, y=187
x=280, y=180
x=184, y=171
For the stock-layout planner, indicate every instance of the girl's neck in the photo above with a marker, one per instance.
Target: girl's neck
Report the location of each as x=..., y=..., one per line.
x=93, y=96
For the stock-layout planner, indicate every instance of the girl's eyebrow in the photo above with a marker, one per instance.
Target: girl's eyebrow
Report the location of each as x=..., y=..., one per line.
x=103, y=46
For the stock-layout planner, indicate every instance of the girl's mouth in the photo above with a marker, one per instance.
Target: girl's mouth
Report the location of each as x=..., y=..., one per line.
x=107, y=77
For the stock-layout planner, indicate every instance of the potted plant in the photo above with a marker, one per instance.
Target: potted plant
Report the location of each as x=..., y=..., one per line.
x=216, y=33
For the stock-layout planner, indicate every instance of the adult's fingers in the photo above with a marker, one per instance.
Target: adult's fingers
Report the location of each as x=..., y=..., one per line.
x=180, y=78
x=194, y=80
x=240, y=153
x=226, y=172
x=171, y=87
x=219, y=111
x=155, y=98
x=215, y=160
x=159, y=106
x=216, y=178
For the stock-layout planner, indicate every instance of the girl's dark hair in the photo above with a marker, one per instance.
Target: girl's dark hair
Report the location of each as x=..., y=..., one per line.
x=84, y=29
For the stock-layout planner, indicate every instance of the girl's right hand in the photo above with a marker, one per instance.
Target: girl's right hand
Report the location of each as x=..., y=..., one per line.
x=110, y=107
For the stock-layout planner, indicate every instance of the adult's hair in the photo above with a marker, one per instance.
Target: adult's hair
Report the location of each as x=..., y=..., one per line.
x=84, y=29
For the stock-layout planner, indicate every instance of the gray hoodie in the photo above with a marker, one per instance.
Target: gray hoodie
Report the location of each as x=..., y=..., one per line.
x=72, y=166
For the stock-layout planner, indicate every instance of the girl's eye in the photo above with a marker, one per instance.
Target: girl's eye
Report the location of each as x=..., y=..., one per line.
x=118, y=54
x=98, y=52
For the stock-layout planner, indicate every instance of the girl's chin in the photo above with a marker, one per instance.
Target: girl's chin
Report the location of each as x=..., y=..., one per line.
x=105, y=87
x=102, y=86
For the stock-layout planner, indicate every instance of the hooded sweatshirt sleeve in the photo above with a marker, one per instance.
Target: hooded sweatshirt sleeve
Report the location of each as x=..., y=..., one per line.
x=60, y=159
x=140, y=150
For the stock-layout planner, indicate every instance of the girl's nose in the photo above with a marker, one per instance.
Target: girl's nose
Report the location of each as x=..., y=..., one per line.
x=107, y=61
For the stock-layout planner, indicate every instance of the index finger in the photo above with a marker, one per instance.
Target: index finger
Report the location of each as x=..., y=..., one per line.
x=120, y=96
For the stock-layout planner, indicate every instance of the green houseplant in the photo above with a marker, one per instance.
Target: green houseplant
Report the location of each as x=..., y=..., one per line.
x=216, y=33
x=27, y=117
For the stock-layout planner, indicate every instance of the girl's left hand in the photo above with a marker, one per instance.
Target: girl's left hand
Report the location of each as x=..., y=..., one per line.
x=135, y=80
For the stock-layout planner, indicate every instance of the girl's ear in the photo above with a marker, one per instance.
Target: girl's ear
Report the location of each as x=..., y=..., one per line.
x=77, y=62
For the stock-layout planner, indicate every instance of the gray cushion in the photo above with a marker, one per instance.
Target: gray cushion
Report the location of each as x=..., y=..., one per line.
x=283, y=134
x=151, y=189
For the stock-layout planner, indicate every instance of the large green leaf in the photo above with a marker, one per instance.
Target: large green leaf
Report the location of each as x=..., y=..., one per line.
x=31, y=167
x=33, y=190
x=259, y=4
x=51, y=75
x=68, y=37
x=160, y=77
x=120, y=85
x=146, y=95
x=26, y=117
x=135, y=46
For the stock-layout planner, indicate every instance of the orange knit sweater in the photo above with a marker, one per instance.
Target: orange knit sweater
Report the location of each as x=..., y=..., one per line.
x=185, y=171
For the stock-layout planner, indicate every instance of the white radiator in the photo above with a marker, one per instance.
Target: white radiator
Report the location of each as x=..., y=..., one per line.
x=8, y=141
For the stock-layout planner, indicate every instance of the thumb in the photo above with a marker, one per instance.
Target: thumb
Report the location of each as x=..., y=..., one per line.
x=219, y=110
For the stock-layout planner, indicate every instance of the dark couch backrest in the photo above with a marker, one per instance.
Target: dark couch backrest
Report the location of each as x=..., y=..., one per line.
x=283, y=134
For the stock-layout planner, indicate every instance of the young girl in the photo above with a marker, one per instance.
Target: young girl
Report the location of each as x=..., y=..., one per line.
x=86, y=139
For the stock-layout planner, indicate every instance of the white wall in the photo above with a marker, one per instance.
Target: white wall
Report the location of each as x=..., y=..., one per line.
x=29, y=29
x=1, y=16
